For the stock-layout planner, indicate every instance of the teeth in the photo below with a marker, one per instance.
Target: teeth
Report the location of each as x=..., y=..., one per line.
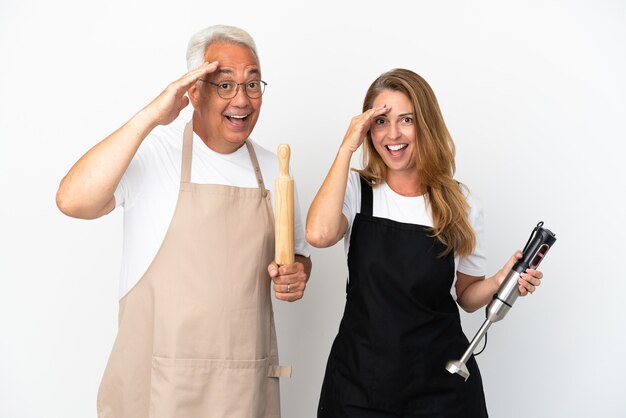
x=238, y=117
x=397, y=147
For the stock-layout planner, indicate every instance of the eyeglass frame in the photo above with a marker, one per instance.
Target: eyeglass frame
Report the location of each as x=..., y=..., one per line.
x=244, y=84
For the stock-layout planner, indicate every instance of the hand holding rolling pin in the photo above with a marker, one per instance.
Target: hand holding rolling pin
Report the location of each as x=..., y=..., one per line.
x=289, y=276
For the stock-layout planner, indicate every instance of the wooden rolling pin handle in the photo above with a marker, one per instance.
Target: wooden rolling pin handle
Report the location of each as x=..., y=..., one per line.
x=283, y=201
x=284, y=152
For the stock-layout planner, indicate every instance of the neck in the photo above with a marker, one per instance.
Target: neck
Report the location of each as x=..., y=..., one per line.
x=405, y=183
x=220, y=146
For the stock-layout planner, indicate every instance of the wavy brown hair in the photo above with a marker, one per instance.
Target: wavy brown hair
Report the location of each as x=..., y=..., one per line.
x=434, y=160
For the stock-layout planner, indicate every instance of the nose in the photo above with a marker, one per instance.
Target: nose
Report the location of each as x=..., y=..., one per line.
x=394, y=132
x=241, y=99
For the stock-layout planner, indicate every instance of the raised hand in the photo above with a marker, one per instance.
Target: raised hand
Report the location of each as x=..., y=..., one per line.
x=87, y=189
x=167, y=106
x=359, y=125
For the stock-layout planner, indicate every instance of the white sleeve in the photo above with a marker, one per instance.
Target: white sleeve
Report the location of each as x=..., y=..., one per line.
x=352, y=199
x=129, y=186
x=475, y=263
x=120, y=192
x=301, y=247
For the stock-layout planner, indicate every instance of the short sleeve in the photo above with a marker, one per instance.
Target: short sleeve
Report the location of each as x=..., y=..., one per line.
x=301, y=247
x=475, y=263
x=120, y=193
x=129, y=186
x=352, y=198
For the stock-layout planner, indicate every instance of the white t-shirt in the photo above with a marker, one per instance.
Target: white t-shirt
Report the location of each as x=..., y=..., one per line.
x=149, y=189
x=413, y=210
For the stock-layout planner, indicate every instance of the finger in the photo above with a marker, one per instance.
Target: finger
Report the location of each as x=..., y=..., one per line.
x=377, y=111
x=183, y=103
x=205, y=68
x=289, y=297
x=285, y=287
x=272, y=269
x=522, y=290
x=368, y=116
x=290, y=273
x=290, y=287
x=192, y=76
x=531, y=278
x=298, y=277
x=527, y=285
x=288, y=269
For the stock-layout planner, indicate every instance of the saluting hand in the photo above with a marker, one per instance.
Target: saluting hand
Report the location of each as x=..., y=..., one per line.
x=359, y=125
x=167, y=106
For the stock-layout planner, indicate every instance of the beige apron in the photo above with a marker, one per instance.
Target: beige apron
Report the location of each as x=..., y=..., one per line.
x=196, y=334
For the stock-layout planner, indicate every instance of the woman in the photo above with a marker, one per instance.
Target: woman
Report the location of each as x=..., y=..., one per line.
x=408, y=227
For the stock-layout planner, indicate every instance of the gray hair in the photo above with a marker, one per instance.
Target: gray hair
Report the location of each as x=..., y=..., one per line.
x=199, y=42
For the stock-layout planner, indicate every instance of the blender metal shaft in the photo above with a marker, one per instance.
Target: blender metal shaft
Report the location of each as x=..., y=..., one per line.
x=496, y=310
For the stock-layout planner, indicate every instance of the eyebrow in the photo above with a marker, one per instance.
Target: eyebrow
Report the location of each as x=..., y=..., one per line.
x=229, y=71
x=400, y=115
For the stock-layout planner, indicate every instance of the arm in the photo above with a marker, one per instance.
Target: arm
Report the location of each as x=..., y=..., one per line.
x=325, y=223
x=474, y=292
x=87, y=189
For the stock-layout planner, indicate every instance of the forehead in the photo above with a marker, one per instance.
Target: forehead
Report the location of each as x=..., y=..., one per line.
x=234, y=59
x=397, y=100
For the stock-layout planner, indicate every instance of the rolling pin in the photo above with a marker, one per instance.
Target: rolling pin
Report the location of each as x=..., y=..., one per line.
x=283, y=204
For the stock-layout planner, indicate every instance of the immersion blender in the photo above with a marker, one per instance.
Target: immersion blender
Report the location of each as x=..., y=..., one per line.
x=540, y=241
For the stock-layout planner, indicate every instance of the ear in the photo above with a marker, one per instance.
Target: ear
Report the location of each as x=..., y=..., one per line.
x=194, y=95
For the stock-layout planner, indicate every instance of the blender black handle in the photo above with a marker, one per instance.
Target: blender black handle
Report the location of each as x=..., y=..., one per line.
x=536, y=248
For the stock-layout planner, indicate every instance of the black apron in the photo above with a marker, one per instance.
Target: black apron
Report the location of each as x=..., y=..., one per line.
x=400, y=327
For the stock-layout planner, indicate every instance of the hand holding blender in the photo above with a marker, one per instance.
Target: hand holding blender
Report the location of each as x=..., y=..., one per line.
x=540, y=241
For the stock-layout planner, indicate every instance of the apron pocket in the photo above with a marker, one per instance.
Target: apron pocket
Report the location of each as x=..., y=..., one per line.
x=202, y=388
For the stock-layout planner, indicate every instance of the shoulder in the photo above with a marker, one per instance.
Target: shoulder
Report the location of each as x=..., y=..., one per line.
x=261, y=151
x=354, y=180
x=162, y=140
x=473, y=200
x=170, y=136
x=267, y=159
x=476, y=216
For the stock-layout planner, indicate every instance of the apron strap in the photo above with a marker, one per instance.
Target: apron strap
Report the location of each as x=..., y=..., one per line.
x=366, y=198
x=278, y=371
x=185, y=171
x=257, y=170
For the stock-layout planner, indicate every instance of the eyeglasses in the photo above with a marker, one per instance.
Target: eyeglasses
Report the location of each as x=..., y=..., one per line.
x=228, y=89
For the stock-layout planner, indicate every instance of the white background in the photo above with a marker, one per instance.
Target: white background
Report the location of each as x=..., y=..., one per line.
x=533, y=93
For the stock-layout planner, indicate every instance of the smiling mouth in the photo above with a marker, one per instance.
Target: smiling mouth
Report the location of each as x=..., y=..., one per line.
x=236, y=118
x=396, y=147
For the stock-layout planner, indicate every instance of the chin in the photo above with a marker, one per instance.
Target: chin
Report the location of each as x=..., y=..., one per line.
x=237, y=140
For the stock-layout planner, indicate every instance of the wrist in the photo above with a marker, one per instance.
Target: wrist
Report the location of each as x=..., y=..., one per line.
x=143, y=122
x=345, y=151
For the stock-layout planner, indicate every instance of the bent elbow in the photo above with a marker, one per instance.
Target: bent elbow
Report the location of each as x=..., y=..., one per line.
x=319, y=239
x=76, y=208
x=313, y=239
x=67, y=207
x=63, y=203
x=466, y=307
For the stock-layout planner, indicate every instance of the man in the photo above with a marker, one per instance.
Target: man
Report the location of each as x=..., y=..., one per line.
x=196, y=331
